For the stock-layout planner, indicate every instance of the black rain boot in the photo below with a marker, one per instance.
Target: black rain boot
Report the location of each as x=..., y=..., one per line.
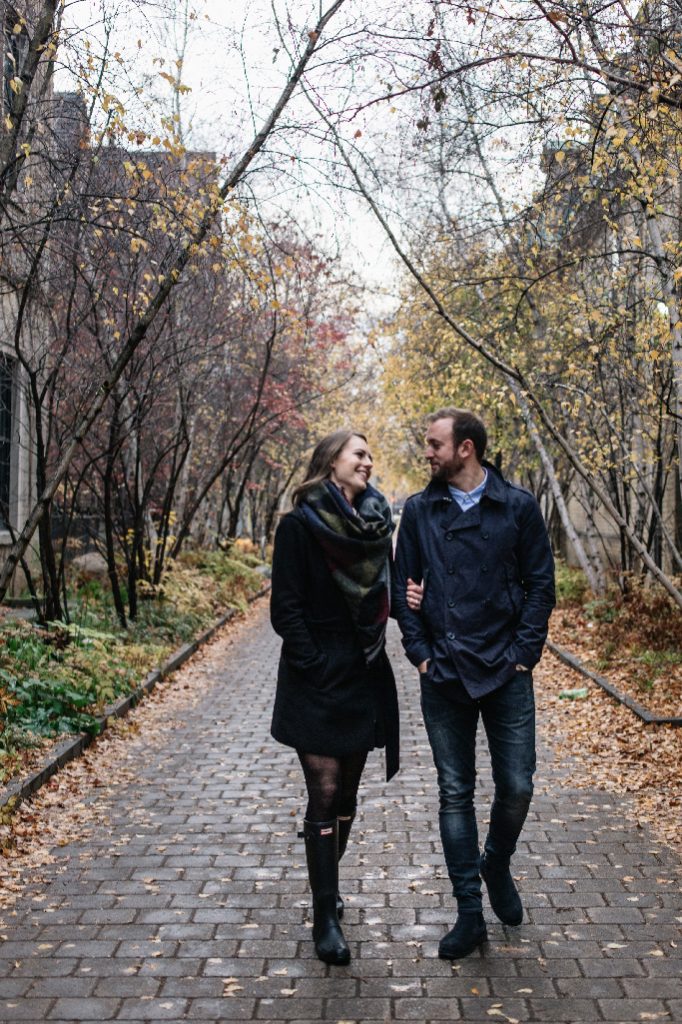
x=468, y=933
x=345, y=825
x=504, y=896
x=321, y=849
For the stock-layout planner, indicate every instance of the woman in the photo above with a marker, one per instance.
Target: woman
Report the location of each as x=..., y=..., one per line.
x=336, y=696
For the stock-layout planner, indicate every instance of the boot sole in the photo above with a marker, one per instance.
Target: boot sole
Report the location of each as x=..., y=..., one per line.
x=443, y=955
x=334, y=961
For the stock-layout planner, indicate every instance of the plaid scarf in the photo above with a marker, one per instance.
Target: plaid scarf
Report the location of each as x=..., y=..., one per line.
x=356, y=545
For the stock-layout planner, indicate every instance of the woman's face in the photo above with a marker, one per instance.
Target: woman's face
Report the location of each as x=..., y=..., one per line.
x=352, y=467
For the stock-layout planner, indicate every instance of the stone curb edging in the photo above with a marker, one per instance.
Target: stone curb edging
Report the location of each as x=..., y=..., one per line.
x=622, y=698
x=15, y=792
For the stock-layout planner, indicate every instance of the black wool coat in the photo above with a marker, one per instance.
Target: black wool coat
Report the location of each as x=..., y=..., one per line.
x=328, y=700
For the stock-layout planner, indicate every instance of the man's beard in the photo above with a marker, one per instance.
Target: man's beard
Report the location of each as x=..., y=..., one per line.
x=446, y=470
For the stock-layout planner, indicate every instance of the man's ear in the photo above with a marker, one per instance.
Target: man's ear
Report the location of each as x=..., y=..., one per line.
x=466, y=448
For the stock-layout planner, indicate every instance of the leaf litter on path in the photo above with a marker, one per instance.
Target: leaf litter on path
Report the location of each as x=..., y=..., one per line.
x=605, y=746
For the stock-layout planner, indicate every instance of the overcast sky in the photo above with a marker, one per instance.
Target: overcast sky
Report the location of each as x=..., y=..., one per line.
x=237, y=59
x=235, y=66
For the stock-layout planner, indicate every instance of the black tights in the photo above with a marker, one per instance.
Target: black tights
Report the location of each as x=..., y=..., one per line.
x=332, y=784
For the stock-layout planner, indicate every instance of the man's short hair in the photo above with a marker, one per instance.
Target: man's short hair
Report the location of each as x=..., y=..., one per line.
x=466, y=426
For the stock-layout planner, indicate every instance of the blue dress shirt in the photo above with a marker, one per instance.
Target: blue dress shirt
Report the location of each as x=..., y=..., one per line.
x=467, y=499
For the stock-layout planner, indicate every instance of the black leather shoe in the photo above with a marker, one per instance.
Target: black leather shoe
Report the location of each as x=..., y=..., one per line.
x=468, y=933
x=504, y=896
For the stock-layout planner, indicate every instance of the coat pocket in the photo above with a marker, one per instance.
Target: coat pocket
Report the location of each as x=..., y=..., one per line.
x=341, y=658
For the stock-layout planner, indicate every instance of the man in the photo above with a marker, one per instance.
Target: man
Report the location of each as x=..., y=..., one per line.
x=475, y=628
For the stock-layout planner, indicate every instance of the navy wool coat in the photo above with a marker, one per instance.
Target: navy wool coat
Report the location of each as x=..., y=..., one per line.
x=488, y=576
x=328, y=700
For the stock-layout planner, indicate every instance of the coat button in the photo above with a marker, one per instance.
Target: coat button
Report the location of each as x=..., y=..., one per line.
x=451, y=636
x=451, y=569
x=485, y=535
x=451, y=603
x=484, y=568
x=449, y=535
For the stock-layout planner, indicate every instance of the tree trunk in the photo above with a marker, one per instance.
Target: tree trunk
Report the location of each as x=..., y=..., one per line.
x=109, y=523
x=595, y=583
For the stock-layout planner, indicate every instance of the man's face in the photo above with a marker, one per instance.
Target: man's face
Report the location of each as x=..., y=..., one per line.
x=440, y=451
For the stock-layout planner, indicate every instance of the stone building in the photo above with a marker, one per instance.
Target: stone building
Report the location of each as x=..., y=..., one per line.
x=17, y=317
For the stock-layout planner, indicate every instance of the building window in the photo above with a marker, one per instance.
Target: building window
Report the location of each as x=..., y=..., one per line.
x=6, y=393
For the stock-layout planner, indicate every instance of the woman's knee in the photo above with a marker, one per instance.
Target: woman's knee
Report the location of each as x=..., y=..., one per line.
x=323, y=800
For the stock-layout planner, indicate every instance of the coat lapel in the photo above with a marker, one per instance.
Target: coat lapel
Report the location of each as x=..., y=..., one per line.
x=452, y=517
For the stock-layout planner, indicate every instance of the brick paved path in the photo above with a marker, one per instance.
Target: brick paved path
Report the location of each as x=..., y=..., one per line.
x=194, y=905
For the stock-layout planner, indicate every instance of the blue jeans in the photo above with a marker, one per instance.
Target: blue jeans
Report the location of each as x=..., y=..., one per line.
x=451, y=718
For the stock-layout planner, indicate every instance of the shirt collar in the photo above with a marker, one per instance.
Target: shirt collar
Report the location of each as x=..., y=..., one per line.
x=469, y=496
x=495, y=487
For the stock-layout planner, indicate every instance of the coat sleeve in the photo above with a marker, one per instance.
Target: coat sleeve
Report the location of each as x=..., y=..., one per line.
x=408, y=565
x=536, y=569
x=287, y=598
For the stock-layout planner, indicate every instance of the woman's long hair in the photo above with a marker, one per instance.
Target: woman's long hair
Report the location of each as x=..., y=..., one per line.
x=320, y=465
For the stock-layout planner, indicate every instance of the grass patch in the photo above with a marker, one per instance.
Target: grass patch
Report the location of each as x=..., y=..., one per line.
x=654, y=667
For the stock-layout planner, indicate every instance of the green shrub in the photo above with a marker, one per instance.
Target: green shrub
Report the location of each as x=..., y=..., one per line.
x=57, y=680
x=603, y=609
x=571, y=585
x=218, y=580
x=44, y=707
